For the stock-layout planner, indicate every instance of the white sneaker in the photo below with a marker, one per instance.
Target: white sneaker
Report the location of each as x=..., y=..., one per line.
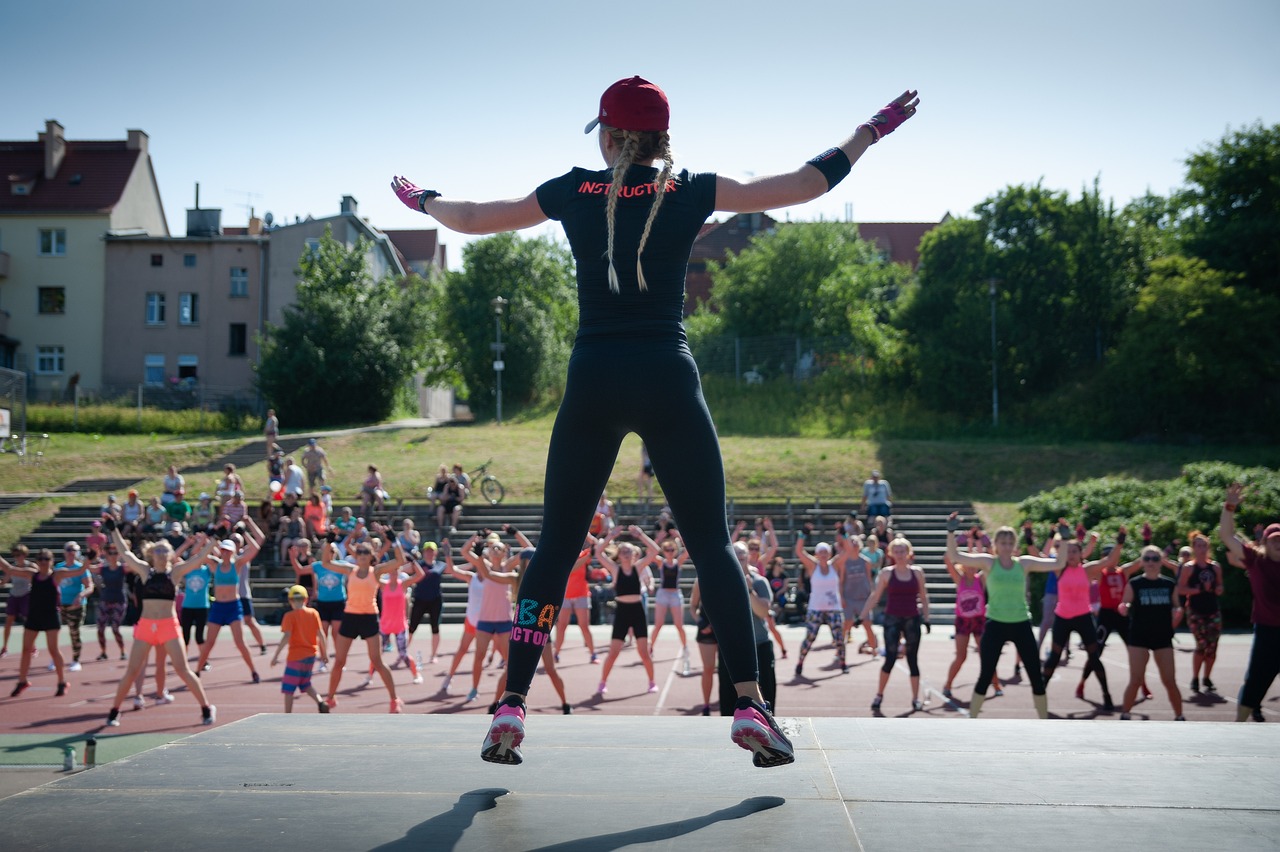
x=211, y=717
x=417, y=678
x=165, y=697
x=322, y=668
x=366, y=682
x=139, y=702
x=444, y=687
x=51, y=667
x=74, y=667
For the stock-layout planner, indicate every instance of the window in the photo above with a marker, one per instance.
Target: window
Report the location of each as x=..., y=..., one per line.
x=153, y=369
x=157, y=260
x=188, y=308
x=155, y=309
x=189, y=260
x=50, y=360
x=53, y=242
x=239, y=339
x=187, y=365
x=239, y=282
x=312, y=246
x=53, y=300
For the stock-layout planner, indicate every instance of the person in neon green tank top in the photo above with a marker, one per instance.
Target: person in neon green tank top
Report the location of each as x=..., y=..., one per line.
x=1008, y=617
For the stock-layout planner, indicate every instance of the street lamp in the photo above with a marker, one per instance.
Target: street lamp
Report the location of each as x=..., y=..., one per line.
x=995, y=388
x=497, y=303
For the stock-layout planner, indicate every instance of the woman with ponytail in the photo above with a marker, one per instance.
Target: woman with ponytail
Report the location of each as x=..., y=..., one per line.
x=631, y=227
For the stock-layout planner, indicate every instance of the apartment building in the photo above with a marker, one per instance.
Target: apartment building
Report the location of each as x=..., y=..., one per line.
x=59, y=198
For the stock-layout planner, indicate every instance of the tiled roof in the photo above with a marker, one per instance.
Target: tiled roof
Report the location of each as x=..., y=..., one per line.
x=900, y=239
x=733, y=234
x=91, y=178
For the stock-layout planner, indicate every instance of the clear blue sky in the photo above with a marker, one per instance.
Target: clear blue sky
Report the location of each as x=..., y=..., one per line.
x=289, y=106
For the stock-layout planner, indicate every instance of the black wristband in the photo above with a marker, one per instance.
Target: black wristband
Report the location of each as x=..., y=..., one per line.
x=834, y=165
x=427, y=195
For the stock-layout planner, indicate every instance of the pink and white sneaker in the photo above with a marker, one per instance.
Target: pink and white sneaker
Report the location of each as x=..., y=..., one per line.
x=754, y=729
x=506, y=733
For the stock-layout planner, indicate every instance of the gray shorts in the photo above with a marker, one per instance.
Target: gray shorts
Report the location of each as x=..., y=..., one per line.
x=672, y=598
x=577, y=603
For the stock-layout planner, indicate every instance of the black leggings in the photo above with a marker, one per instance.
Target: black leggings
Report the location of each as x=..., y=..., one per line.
x=994, y=637
x=1087, y=627
x=428, y=609
x=768, y=680
x=685, y=452
x=906, y=628
x=190, y=617
x=1264, y=665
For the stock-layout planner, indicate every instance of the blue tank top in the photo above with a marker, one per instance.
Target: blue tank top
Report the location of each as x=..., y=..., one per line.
x=229, y=577
x=329, y=584
x=112, y=584
x=196, y=589
x=428, y=588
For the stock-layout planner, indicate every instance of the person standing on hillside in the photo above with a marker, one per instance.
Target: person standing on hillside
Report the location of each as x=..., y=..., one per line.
x=877, y=498
x=271, y=430
x=315, y=461
x=631, y=227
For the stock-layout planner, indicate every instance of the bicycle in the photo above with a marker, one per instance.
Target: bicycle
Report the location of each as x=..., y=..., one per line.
x=489, y=486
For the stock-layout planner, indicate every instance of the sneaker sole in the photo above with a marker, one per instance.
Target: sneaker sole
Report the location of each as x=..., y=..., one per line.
x=767, y=750
x=502, y=745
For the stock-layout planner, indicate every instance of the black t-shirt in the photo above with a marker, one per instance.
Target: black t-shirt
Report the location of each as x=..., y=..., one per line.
x=1151, y=612
x=578, y=200
x=1205, y=579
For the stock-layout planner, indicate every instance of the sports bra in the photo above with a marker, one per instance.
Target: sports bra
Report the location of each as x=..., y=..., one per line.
x=628, y=583
x=230, y=577
x=671, y=575
x=158, y=587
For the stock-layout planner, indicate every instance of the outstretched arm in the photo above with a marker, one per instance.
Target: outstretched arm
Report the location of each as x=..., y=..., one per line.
x=818, y=175
x=471, y=217
x=1227, y=523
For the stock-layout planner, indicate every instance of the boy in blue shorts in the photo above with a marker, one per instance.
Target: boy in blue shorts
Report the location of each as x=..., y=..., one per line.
x=300, y=630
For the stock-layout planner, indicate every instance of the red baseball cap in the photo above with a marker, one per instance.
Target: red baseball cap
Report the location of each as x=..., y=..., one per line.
x=1272, y=529
x=633, y=104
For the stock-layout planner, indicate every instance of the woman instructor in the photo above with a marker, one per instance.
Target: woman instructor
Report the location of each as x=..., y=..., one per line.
x=631, y=228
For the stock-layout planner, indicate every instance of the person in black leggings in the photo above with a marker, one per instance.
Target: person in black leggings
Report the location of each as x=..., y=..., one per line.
x=1262, y=566
x=631, y=228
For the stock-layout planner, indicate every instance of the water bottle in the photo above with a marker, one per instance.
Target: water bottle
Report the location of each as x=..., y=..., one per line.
x=90, y=753
x=68, y=758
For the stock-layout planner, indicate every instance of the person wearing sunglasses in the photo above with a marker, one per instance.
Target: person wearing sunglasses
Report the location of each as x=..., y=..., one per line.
x=73, y=590
x=109, y=576
x=1150, y=603
x=42, y=613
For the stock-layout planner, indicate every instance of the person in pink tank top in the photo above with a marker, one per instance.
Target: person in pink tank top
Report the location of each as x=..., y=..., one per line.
x=971, y=616
x=1074, y=611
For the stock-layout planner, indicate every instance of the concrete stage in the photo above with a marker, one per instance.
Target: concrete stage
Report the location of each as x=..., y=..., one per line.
x=416, y=782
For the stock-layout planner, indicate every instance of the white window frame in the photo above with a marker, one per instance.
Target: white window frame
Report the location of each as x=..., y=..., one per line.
x=189, y=361
x=57, y=242
x=239, y=282
x=188, y=309
x=150, y=362
x=51, y=360
x=155, y=305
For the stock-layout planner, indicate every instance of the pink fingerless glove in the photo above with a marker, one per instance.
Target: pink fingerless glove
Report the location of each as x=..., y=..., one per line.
x=888, y=119
x=411, y=195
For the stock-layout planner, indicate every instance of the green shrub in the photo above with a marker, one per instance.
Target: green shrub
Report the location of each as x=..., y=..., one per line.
x=128, y=420
x=1173, y=507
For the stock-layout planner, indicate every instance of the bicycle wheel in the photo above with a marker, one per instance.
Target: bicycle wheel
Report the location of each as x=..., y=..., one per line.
x=492, y=489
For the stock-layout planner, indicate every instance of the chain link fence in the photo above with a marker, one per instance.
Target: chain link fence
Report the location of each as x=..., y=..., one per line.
x=756, y=359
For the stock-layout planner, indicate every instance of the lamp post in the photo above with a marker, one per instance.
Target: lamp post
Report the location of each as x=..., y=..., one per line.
x=498, y=303
x=995, y=388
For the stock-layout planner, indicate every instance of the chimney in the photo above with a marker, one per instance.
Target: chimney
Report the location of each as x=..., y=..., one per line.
x=255, y=226
x=55, y=148
x=348, y=205
x=137, y=141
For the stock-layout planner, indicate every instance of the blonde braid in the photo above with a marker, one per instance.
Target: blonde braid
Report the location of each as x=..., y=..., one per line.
x=660, y=184
x=620, y=166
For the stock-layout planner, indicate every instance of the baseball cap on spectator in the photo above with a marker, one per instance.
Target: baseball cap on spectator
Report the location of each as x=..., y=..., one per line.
x=175, y=527
x=430, y=545
x=111, y=497
x=204, y=495
x=1273, y=529
x=297, y=593
x=326, y=487
x=875, y=473
x=71, y=545
x=312, y=441
x=133, y=492
x=96, y=524
x=227, y=544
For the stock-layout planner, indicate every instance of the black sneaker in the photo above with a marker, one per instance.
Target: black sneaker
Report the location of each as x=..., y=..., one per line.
x=1257, y=715
x=1195, y=684
x=493, y=708
x=755, y=729
x=62, y=690
x=568, y=711
x=506, y=733
x=1208, y=686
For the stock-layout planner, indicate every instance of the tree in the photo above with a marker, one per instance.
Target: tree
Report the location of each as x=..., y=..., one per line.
x=538, y=324
x=348, y=345
x=1232, y=206
x=1198, y=355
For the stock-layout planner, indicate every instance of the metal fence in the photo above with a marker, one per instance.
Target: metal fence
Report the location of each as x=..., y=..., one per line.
x=755, y=359
x=177, y=396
